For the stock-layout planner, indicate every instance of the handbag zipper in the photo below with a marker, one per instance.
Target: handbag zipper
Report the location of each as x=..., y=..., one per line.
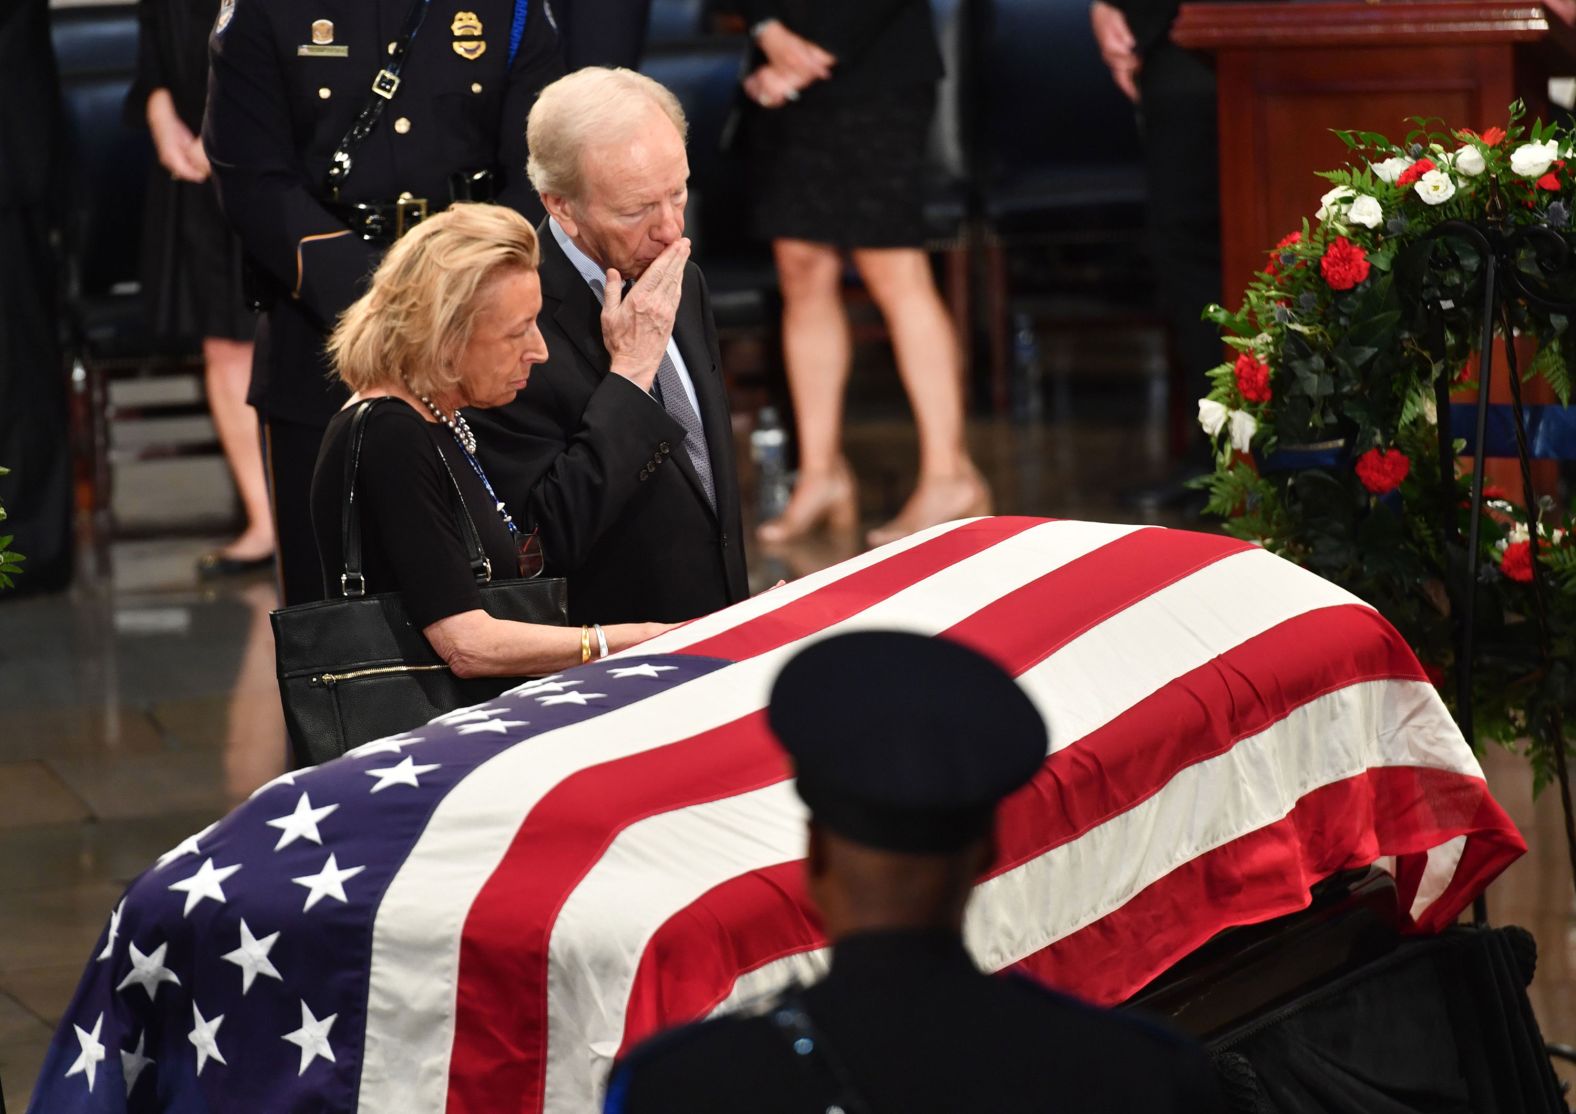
x=332, y=679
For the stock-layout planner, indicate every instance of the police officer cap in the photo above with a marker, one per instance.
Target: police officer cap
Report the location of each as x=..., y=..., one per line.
x=904, y=742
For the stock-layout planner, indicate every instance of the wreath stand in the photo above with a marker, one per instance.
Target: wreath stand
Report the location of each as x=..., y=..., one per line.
x=1503, y=283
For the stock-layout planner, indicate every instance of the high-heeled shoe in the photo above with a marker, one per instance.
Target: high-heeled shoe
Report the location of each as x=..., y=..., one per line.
x=829, y=501
x=933, y=502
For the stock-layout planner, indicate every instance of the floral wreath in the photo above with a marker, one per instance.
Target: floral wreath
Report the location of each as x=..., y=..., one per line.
x=1326, y=422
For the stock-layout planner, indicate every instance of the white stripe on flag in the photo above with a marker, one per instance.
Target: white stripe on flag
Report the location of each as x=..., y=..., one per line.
x=657, y=867
x=718, y=622
x=416, y=936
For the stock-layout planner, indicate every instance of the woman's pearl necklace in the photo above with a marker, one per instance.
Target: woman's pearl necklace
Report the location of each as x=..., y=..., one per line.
x=457, y=425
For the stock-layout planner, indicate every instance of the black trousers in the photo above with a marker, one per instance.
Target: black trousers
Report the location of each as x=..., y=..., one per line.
x=289, y=457
x=35, y=443
x=602, y=32
x=1182, y=171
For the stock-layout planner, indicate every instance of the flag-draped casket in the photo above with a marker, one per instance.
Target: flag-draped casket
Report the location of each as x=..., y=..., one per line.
x=479, y=915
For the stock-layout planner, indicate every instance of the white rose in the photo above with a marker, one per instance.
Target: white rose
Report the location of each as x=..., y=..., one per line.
x=1392, y=168
x=1532, y=160
x=1435, y=187
x=1242, y=429
x=1212, y=416
x=1469, y=161
x=1331, y=199
x=1365, y=211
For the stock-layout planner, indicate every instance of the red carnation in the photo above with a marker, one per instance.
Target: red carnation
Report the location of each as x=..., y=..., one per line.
x=1516, y=563
x=1275, y=253
x=1344, y=265
x=1550, y=181
x=1382, y=472
x=1414, y=172
x=1253, y=379
x=1492, y=137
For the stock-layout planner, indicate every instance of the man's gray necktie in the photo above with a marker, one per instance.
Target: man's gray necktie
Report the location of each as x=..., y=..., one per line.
x=675, y=400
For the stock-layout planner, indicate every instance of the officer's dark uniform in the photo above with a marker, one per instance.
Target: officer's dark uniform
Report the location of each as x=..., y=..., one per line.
x=906, y=744
x=288, y=79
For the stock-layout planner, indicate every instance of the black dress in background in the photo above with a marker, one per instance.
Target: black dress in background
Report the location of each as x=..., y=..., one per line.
x=34, y=443
x=191, y=261
x=844, y=165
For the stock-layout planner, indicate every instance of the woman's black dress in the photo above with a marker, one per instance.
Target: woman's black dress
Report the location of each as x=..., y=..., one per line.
x=845, y=164
x=410, y=540
x=191, y=261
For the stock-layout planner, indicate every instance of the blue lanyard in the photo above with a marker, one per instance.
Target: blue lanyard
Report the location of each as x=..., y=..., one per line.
x=503, y=512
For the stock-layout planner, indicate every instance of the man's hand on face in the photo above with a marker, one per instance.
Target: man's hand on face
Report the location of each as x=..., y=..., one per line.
x=636, y=327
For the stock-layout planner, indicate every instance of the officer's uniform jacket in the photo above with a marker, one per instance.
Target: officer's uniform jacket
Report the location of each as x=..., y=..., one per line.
x=288, y=79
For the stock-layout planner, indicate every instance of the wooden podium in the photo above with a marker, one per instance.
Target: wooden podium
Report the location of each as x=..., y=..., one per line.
x=1289, y=72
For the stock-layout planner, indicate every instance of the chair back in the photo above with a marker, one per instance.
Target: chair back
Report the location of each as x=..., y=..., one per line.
x=108, y=161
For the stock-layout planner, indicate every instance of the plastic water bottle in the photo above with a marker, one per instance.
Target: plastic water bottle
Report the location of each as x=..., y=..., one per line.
x=1028, y=370
x=769, y=453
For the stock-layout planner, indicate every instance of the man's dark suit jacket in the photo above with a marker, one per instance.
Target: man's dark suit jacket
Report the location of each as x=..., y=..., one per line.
x=599, y=466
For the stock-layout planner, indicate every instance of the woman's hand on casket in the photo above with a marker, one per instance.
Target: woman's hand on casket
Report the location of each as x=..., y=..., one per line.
x=474, y=644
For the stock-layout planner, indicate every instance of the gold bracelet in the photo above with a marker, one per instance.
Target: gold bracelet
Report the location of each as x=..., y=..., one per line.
x=585, y=645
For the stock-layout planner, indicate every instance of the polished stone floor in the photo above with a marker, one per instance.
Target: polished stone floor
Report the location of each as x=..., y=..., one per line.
x=137, y=708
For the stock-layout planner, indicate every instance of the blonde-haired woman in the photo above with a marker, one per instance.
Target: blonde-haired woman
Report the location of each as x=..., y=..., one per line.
x=448, y=322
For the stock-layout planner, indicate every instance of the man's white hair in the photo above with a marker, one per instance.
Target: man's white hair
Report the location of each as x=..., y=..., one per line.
x=594, y=105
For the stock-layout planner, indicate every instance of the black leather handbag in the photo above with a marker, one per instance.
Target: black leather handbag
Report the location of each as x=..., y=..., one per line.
x=356, y=668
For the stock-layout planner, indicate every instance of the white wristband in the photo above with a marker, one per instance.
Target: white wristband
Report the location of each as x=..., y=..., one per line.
x=601, y=640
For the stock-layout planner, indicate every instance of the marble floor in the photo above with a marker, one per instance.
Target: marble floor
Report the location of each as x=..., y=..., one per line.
x=137, y=708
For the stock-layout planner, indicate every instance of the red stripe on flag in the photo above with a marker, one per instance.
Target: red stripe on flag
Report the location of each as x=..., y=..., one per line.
x=1119, y=765
x=859, y=591
x=691, y=965
x=1393, y=810
x=500, y=1040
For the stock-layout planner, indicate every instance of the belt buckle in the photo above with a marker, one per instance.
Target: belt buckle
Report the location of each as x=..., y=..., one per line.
x=408, y=212
x=385, y=84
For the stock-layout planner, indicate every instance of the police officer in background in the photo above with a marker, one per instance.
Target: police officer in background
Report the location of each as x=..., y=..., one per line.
x=902, y=747
x=332, y=126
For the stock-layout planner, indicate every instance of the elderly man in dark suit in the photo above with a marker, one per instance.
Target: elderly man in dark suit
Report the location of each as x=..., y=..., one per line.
x=620, y=452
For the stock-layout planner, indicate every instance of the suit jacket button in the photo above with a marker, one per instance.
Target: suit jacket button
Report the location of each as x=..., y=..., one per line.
x=663, y=448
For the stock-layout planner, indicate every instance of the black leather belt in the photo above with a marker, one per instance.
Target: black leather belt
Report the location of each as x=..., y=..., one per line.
x=382, y=222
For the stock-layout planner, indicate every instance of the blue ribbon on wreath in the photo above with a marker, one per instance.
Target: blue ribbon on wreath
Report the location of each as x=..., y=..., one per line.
x=1551, y=430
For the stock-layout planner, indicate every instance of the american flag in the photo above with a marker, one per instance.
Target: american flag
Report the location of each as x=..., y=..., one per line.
x=480, y=915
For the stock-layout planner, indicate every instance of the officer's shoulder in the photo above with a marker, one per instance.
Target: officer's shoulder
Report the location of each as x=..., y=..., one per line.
x=670, y=1064
x=1137, y=1029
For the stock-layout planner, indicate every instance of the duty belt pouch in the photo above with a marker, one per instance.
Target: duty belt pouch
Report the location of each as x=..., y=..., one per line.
x=356, y=668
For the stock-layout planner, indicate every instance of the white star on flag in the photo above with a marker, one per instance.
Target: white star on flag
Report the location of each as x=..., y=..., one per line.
x=148, y=971
x=328, y=882
x=286, y=778
x=92, y=1052
x=133, y=1063
x=645, y=669
x=204, y=884
x=114, y=931
x=569, y=698
x=312, y=1038
x=390, y=745
x=467, y=715
x=541, y=684
x=252, y=957
x=405, y=773
x=497, y=726
x=205, y=1038
x=187, y=846
x=301, y=824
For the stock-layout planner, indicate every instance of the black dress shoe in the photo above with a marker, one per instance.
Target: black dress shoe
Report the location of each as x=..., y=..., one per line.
x=216, y=566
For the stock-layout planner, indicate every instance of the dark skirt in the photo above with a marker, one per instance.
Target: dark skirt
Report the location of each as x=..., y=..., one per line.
x=850, y=174
x=192, y=264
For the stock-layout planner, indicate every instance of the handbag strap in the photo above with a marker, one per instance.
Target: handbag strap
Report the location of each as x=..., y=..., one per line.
x=353, y=581
x=384, y=86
